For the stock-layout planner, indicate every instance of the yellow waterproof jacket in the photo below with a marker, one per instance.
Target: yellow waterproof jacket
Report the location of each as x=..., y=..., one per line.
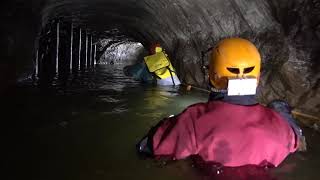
x=160, y=64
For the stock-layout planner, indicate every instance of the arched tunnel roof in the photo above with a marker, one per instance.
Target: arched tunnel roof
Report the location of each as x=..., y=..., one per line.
x=166, y=21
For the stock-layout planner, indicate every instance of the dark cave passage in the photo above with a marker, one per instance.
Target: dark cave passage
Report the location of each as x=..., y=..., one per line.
x=74, y=114
x=64, y=49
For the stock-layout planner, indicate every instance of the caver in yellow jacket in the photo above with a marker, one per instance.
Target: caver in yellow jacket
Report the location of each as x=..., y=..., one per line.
x=160, y=65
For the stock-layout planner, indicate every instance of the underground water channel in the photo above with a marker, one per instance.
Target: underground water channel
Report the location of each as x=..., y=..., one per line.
x=89, y=129
x=86, y=124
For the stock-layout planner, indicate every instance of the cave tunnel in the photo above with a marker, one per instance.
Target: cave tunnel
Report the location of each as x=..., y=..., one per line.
x=71, y=111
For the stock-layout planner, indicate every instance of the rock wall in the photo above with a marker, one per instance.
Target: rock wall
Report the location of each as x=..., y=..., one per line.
x=297, y=78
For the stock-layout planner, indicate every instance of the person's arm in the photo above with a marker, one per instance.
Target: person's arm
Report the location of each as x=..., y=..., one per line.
x=144, y=146
x=284, y=110
x=174, y=136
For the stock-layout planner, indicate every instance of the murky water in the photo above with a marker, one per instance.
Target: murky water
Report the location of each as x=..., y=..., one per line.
x=87, y=128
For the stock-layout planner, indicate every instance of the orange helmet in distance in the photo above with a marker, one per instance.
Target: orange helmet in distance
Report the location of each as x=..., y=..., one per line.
x=155, y=48
x=233, y=58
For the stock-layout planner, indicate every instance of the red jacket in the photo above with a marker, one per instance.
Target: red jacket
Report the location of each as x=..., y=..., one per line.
x=233, y=135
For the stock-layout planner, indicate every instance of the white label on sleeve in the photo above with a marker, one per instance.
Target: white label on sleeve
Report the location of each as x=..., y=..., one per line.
x=241, y=87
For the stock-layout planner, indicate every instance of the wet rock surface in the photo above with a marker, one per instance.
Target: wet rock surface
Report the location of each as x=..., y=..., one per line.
x=298, y=77
x=287, y=34
x=115, y=47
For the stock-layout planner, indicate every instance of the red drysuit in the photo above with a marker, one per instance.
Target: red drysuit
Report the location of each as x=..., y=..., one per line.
x=230, y=134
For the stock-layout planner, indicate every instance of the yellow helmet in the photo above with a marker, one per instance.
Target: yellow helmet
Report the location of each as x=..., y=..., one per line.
x=233, y=58
x=158, y=49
